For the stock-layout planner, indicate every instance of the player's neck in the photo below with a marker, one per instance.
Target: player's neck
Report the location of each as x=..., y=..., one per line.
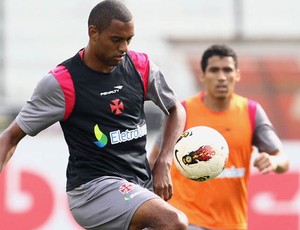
x=91, y=60
x=217, y=104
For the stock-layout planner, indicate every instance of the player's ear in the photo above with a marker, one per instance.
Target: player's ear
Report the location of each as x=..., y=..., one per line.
x=93, y=32
x=238, y=76
x=201, y=77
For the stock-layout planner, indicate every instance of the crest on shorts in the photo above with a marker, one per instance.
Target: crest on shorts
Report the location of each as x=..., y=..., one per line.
x=125, y=188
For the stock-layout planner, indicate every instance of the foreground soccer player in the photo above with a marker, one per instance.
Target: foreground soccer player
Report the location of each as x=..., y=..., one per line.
x=98, y=97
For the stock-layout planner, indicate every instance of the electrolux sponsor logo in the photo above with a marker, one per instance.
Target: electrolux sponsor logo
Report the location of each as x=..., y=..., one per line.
x=115, y=90
x=100, y=136
x=129, y=198
x=127, y=135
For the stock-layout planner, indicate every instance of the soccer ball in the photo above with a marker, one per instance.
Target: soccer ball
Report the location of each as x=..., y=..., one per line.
x=201, y=153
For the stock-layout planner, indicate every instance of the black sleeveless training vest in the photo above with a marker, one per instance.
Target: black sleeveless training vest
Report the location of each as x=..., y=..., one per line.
x=106, y=131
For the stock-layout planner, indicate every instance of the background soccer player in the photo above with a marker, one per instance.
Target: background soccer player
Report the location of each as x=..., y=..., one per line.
x=221, y=203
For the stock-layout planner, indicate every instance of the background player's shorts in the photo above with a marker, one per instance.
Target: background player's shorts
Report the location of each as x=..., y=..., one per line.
x=193, y=227
x=107, y=202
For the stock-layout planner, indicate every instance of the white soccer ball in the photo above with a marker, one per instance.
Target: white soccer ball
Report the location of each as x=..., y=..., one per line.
x=201, y=153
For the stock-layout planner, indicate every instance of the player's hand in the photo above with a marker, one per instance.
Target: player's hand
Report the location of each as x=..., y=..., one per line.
x=162, y=183
x=265, y=163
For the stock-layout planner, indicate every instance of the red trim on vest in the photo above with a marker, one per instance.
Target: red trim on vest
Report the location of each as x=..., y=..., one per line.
x=81, y=52
x=252, y=113
x=141, y=63
x=64, y=79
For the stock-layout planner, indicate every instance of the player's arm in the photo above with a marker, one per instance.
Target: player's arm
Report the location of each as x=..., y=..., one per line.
x=45, y=107
x=173, y=127
x=271, y=157
x=275, y=161
x=152, y=156
x=154, y=151
x=160, y=93
x=9, y=140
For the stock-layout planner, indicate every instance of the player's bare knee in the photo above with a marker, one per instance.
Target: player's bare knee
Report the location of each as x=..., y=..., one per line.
x=178, y=221
x=184, y=222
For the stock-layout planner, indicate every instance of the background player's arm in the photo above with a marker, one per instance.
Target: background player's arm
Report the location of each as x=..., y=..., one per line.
x=273, y=161
x=271, y=156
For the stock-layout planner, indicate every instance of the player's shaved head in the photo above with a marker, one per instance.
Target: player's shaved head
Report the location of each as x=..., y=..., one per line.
x=104, y=12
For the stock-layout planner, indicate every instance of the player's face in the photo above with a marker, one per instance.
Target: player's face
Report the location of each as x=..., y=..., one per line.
x=220, y=77
x=111, y=44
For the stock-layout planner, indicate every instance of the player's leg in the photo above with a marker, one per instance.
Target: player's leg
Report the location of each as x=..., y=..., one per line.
x=114, y=203
x=158, y=214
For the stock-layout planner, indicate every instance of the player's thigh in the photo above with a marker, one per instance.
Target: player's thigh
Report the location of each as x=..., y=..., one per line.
x=107, y=203
x=158, y=214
